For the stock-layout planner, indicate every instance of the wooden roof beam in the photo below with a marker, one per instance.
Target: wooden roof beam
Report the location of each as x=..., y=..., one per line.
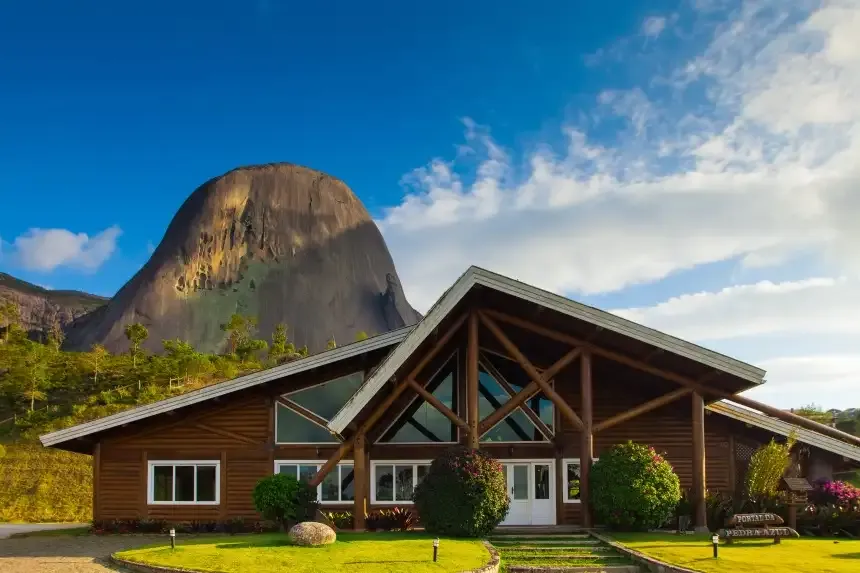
x=532, y=415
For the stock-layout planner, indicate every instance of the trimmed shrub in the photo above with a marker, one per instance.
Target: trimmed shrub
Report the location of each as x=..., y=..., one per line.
x=462, y=495
x=767, y=466
x=633, y=488
x=284, y=499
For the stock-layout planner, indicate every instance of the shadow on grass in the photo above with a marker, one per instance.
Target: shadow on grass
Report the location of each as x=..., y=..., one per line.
x=846, y=556
x=250, y=544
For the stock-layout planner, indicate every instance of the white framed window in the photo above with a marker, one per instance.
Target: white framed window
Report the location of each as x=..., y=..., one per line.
x=337, y=487
x=571, y=479
x=184, y=482
x=394, y=481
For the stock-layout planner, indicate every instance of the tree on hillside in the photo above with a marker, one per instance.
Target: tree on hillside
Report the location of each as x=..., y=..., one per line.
x=240, y=334
x=182, y=359
x=96, y=359
x=279, y=341
x=361, y=335
x=815, y=413
x=136, y=334
x=10, y=316
x=35, y=383
x=331, y=344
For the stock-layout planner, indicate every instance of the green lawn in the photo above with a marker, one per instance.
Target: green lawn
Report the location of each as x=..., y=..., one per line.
x=754, y=556
x=351, y=553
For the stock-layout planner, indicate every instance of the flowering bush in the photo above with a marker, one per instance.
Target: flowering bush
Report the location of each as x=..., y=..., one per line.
x=835, y=492
x=633, y=488
x=463, y=494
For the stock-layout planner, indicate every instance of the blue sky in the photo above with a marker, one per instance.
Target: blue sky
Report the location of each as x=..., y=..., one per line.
x=628, y=154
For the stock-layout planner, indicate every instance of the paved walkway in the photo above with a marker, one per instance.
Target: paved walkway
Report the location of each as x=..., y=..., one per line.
x=67, y=554
x=7, y=529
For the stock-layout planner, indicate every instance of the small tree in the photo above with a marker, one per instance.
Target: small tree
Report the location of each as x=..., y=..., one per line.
x=331, y=344
x=283, y=499
x=361, y=335
x=463, y=494
x=633, y=488
x=767, y=466
x=10, y=315
x=136, y=334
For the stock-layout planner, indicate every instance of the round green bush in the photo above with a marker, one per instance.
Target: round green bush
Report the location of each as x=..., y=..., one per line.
x=284, y=499
x=633, y=488
x=463, y=494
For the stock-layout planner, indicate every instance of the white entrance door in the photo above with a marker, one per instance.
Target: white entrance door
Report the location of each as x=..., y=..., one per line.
x=532, y=493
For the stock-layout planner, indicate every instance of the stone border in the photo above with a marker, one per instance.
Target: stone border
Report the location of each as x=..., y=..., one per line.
x=492, y=565
x=646, y=561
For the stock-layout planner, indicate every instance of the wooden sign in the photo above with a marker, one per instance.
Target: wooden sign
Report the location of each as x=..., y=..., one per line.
x=744, y=519
x=797, y=484
x=747, y=533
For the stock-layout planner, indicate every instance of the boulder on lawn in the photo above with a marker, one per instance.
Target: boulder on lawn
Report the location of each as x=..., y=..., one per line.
x=311, y=533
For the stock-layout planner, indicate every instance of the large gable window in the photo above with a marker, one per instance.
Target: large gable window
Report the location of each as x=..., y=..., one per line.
x=184, y=482
x=422, y=423
x=301, y=417
x=516, y=426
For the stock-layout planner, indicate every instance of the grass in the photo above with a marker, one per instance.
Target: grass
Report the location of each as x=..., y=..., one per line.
x=71, y=531
x=821, y=555
x=351, y=553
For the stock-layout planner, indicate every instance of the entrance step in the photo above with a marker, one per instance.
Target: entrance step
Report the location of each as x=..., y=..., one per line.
x=559, y=553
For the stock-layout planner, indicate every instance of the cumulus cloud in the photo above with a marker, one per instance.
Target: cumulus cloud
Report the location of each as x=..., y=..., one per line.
x=760, y=170
x=47, y=249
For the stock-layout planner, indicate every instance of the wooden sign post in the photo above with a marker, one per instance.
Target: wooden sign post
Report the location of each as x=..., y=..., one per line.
x=756, y=526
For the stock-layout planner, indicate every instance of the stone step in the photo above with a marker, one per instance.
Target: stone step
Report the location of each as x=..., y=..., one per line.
x=555, y=547
x=597, y=568
x=497, y=535
x=546, y=542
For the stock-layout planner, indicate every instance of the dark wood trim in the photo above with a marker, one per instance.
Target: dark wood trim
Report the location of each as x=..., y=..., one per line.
x=383, y=407
x=532, y=415
x=436, y=403
x=144, y=483
x=270, y=430
x=227, y=434
x=560, y=486
x=531, y=371
x=97, y=457
x=361, y=480
x=586, y=454
x=302, y=411
x=641, y=409
x=472, y=382
x=698, y=492
x=526, y=393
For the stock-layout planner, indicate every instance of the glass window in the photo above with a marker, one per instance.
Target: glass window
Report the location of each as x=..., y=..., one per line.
x=162, y=483
x=542, y=476
x=327, y=399
x=516, y=426
x=293, y=428
x=396, y=482
x=183, y=482
x=336, y=487
x=572, y=473
x=421, y=422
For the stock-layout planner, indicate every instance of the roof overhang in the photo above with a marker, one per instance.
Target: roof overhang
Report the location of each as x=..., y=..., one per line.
x=746, y=374
x=224, y=388
x=781, y=428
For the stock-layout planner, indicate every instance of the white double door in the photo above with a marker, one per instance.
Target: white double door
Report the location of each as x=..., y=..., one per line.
x=531, y=489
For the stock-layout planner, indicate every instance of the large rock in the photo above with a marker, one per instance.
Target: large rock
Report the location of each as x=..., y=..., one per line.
x=312, y=533
x=280, y=242
x=41, y=309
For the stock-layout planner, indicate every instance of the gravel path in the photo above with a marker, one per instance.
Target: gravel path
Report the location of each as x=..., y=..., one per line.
x=66, y=554
x=9, y=529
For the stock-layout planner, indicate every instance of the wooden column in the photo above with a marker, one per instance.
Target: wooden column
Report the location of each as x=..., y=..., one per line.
x=586, y=454
x=222, y=509
x=360, y=481
x=96, y=467
x=700, y=521
x=472, y=382
x=144, y=486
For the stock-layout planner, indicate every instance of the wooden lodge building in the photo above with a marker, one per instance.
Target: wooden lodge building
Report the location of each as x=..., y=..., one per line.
x=543, y=383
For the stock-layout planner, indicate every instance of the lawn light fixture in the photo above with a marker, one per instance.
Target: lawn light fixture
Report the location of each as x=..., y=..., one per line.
x=435, y=549
x=715, y=539
x=172, y=538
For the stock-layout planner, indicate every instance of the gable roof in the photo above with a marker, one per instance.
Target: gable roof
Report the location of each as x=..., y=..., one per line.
x=228, y=387
x=770, y=424
x=476, y=276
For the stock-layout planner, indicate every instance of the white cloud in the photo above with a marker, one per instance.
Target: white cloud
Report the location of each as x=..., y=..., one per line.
x=47, y=249
x=762, y=170
x=653, y=26
x=812, y=306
